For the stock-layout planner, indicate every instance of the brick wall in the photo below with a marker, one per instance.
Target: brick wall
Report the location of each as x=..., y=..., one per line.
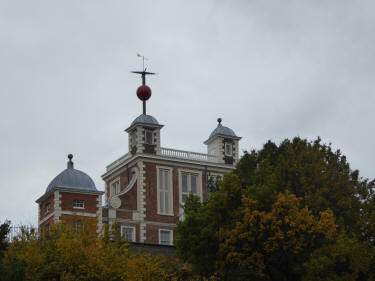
x=67, y=201
x=152, y=236
x=42, y=206
x=44, y=226
x=129, y=200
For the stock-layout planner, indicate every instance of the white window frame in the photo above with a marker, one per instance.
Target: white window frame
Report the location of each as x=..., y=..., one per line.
x=228, y=144
x=152, y=136
x=78, y=227
x=199, y=183
x=112, y=190
x=77, y=205
x=47, y=208
x=124, y=227
x=170, y=195
x=133, y=138
x=170, y=236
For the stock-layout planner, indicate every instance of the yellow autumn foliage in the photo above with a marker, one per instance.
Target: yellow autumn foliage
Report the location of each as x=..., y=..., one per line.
x=259, y=238
x=63, y=254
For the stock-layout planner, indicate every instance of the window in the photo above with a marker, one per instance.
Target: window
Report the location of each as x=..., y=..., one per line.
x=228, y=149
x=128, y=233
x=79, y=204
x=148, y=136
x=133, y=139
x=164, y=178
x=189, y=184
x=47, y=208
x=78, y=225
x=115, y=187
x=165, y=237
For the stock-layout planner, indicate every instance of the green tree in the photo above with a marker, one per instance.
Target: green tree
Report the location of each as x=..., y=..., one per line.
x=4, y=232
x=4, y=243
x=229, y=233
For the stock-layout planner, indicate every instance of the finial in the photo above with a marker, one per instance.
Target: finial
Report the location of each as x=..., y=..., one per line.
x=219, y=121
x=70, y=163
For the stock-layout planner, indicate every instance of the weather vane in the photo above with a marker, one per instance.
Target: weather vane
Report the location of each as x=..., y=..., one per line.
x=143, y=72
x=143, y=60
x=143, y=92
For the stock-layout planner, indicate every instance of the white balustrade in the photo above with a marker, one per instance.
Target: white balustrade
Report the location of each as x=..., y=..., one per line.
x=174, y=153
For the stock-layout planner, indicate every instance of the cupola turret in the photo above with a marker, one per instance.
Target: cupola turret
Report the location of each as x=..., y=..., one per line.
x=223, y=143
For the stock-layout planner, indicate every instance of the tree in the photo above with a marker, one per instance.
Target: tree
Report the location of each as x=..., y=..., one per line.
x=4, y=232
x=4, y=243
x=272, y=194
x=272, y=245
x=63, y=254
x=197, y=238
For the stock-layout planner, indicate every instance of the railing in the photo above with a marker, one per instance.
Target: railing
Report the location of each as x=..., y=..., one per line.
x=174, y=153
x=169, y=152
x=118, y=161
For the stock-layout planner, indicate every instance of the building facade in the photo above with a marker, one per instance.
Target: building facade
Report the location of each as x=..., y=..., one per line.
x=145, y=188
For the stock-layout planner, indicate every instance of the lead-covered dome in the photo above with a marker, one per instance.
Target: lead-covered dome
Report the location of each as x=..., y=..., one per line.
x=145, y=119
x=222, y=131
x=71, y=178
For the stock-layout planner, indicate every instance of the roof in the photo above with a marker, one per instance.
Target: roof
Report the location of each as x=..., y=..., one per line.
x=221, y=130
x=145, y=120
x=73, y=179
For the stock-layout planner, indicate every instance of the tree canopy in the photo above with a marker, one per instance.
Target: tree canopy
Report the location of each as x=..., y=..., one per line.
x=294, y=211
x=64, y=254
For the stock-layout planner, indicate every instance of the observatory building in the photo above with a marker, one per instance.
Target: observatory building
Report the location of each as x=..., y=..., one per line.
x=144, y=188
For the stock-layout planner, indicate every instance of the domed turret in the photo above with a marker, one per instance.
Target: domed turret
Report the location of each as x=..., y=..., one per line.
x=222, y=131
x=71, y=178
x=223, y=143
x=71, y=196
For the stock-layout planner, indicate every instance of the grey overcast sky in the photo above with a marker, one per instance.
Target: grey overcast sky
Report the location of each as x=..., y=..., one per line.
x=270, y=69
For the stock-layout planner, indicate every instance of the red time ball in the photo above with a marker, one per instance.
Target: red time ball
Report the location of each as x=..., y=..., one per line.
x=144, y=92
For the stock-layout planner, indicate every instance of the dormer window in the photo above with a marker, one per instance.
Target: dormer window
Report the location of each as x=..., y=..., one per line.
x=148, y=136
x=228, y=149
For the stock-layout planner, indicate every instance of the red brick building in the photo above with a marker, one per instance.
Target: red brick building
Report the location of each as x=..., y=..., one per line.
x=145, y=188
x=71, y=194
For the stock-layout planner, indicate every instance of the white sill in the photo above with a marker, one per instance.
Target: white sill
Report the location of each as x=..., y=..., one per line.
x=163, y=214
x=81, y=208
